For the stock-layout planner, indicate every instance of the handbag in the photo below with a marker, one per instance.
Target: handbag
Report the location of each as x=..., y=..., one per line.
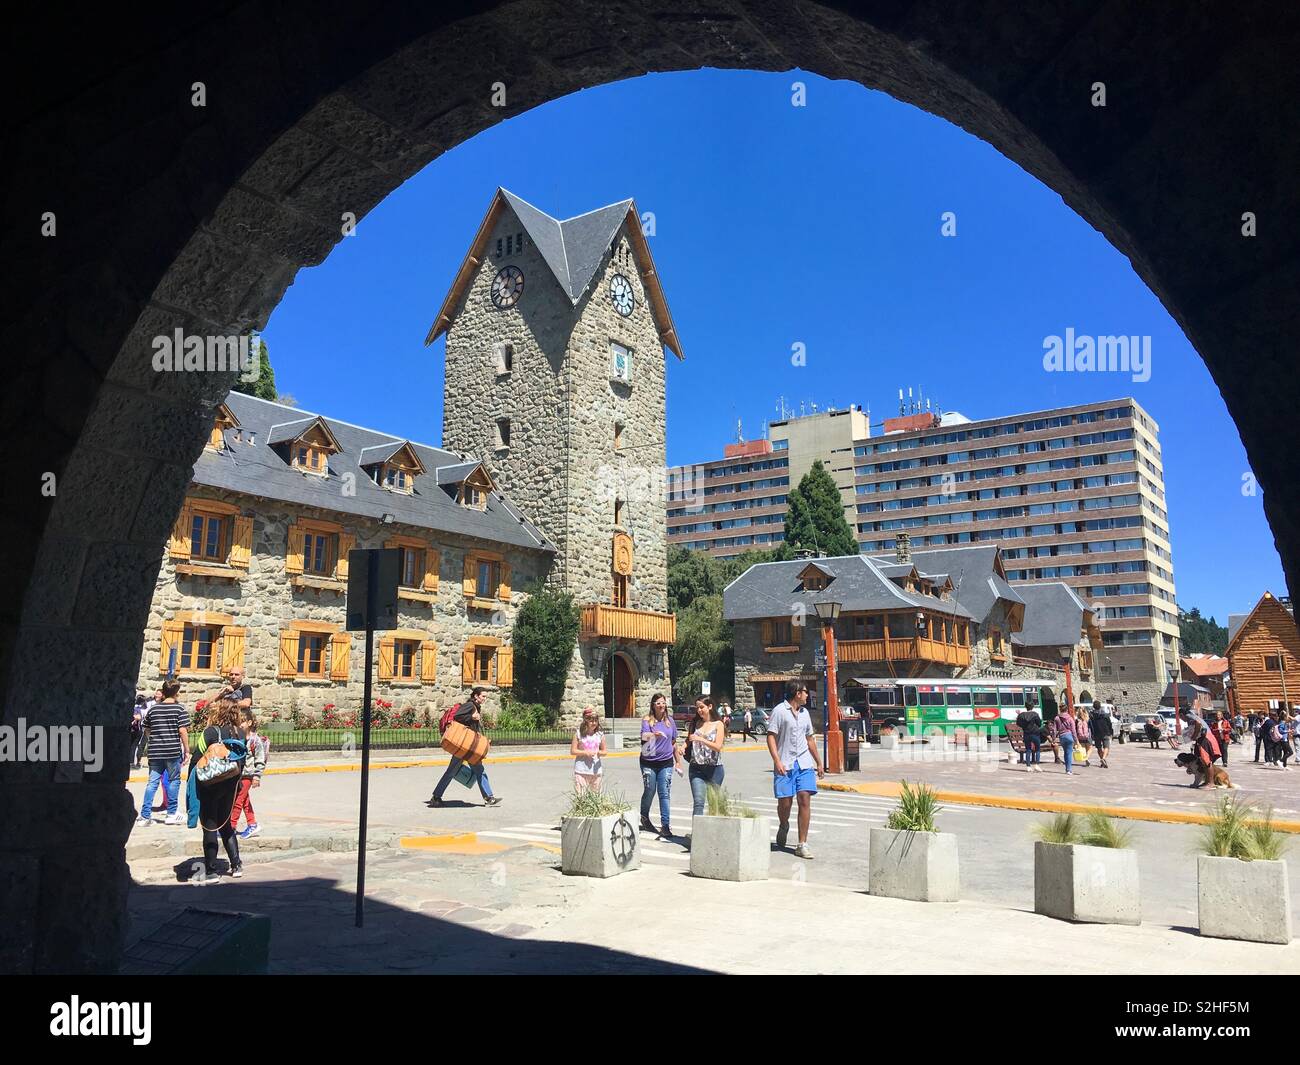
x=1079, y=756
x=465, y=775
x=220, y=761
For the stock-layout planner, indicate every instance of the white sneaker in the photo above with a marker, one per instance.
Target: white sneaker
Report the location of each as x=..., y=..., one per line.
x=173, y=819
x=144, y=821
x=802, y=851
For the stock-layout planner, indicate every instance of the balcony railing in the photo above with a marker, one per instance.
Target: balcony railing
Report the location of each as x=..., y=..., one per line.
x=620, y=623
x=902, y=649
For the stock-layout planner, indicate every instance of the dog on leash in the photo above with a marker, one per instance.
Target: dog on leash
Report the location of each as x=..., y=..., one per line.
x=1201, y=773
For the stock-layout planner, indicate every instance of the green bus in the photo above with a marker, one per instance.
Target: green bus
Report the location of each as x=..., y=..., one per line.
x=926, y=705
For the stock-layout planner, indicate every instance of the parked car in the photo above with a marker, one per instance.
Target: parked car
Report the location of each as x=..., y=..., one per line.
x=1132, y=727
x=736, y=721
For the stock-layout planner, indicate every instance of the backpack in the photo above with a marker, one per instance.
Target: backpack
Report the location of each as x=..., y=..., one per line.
x=448, y=716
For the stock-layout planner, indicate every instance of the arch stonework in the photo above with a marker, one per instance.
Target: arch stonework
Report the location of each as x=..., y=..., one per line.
x=174, y=216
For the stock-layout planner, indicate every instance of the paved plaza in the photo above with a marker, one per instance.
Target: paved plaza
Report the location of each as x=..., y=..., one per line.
x=469, y=887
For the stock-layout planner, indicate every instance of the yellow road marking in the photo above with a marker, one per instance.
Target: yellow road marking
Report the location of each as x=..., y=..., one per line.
x=1051, y=806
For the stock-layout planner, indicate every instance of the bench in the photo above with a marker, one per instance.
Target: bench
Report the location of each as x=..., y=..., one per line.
x=1016, y=737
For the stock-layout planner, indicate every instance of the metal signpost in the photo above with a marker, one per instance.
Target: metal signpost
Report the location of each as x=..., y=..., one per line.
x=372, y=604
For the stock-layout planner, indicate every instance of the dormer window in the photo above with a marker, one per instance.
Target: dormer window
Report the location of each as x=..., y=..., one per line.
x=393, y=465
x=813, y=578
x=312, y=459
x=224, y=419
x=310, y=444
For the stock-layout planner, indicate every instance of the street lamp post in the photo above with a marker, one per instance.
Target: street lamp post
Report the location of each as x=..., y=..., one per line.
x=828, y=613
x=1066, y=654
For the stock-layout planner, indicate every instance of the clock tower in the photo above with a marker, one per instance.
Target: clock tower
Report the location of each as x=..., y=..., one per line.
x=557, y=333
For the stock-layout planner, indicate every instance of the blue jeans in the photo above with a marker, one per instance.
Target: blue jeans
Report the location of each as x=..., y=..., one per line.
x=1033, y=748
x=157, y=767
x=702, y=777
x=660, y=780
x=1067, y=750
x=480, y=778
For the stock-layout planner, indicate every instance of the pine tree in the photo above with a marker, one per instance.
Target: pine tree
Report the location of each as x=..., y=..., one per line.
x=264, y=386
x=814, y=517
x=545, y=632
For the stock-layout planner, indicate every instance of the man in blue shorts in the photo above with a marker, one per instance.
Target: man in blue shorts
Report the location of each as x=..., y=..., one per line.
x=794, y=754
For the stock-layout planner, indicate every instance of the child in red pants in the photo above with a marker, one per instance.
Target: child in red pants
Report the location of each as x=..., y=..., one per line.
x=252, y=777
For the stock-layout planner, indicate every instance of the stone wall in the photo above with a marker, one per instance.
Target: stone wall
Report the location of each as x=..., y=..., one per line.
x=265, y=600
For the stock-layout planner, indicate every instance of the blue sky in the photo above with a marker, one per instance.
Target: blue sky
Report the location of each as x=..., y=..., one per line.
x=779, y=225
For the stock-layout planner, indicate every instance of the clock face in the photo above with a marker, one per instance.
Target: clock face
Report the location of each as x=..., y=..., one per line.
x=620, y=293
x=508, y=286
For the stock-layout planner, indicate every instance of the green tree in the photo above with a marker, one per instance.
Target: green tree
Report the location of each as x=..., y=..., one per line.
x=814, y=519
x=703, y=650
x=1200, y=635
x=264, y=386
x=545, y=632
x=691, y=575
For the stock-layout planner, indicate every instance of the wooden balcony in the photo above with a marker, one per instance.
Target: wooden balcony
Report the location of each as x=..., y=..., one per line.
x=902, y=649
x=601, y=622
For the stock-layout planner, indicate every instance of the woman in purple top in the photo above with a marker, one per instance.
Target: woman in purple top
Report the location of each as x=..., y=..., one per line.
x=658, y=757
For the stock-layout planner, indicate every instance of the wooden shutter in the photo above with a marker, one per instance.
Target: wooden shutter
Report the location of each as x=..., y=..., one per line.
x=503, y=586
x=172, y=632
x=386, y=658
x=431, y=560
x=767, y=634
x=293, y=558
x=288, y=653
x=179, y=545
x=505, y=666
x=428, y=661
x=467, y=664
x=233, y=641
x=241, y=542
x=346, y=543
x=471, y=574
x=340, y=651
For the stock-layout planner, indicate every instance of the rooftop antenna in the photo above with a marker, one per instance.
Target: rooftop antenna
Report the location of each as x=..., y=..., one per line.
x=911, y=403
x=902, y=409
x=740, y=434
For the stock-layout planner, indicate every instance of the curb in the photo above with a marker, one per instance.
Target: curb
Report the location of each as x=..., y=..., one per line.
x=891, y=789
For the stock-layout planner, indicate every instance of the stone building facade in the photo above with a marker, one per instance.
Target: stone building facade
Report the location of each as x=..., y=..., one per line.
x=556, y=335
x=255, y=573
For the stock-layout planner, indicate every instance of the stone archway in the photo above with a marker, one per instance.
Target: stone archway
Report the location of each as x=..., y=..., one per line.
x=169, y=215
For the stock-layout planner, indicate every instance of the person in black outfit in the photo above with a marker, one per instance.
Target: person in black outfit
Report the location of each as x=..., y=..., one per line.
x=216, y=800
x=1031, y=726
x=1100, y=725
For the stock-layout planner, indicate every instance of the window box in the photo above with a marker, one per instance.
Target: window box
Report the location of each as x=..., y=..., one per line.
x=791, y=649
x=324, y=584
x=221, y=572
x=417, y=597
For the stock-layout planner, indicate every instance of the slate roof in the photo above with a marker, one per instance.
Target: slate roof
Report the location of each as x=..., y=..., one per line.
x=1234, y=623
x=772, y=589
x=263, y=470
x=574, y=249
x=975, y=582
x=1053, y=615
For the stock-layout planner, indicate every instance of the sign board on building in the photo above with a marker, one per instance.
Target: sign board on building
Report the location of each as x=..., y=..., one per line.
x=372, y=588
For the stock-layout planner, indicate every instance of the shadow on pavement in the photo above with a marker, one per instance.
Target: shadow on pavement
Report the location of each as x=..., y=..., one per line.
x=313, y=931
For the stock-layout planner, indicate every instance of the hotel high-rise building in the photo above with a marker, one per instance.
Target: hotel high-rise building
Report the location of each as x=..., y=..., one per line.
x=1073, y=494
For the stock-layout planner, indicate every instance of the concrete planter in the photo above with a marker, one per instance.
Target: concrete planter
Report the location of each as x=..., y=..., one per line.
x=1096, y=885
x=731, y=848
x=600, y=846
x=921, y=866
x=1243, y=900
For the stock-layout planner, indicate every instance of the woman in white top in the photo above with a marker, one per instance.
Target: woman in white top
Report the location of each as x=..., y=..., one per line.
x=588, y=750
x=704, y=751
